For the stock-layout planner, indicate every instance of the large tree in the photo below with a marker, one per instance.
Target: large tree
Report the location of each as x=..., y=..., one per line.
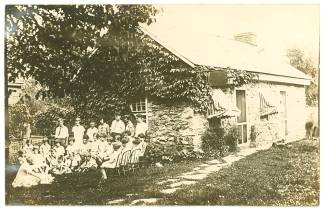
x=97, y=56
x=299, y=60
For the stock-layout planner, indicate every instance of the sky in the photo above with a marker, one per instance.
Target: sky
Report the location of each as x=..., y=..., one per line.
x=278, y=27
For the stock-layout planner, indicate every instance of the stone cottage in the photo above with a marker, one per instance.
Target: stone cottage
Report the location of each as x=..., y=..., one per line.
x=273, y=107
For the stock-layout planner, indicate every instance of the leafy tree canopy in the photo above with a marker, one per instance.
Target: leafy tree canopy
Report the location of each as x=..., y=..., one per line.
x=299, y=60
x=97, y=56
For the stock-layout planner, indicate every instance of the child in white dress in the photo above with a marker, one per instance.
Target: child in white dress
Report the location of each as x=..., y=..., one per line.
x=88, y=164
x=59, y=149
x=45, y=149
x=28, y=148
x=75, y=161
x=52, y=159
x=109, y=162
x=61, y=167
x=71, y=147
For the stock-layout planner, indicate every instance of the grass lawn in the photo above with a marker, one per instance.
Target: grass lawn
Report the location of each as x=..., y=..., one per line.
x=85, y=189
x=276, y=177
x=279, y=176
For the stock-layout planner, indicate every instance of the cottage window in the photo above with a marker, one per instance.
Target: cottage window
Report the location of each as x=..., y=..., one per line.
x=221, y=106
x=140, y=107
x=267, y=109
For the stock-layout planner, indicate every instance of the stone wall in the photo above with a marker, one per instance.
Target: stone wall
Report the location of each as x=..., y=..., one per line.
x=272, y=129
x=175, y=123
x=179, y=123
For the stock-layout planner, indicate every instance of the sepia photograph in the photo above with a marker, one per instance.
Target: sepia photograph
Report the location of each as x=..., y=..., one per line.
x=161, y=104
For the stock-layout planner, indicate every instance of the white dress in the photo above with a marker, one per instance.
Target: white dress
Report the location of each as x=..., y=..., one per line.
x=111, y=163
x=24, y=178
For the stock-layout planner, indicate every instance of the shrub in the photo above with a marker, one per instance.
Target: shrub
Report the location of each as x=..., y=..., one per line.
x=17, y=116
x=232, y=137
x=216, y=142
x=213, y=142
x=171, y=151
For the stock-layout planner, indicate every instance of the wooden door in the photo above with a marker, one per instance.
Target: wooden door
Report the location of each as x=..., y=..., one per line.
x=241, y=119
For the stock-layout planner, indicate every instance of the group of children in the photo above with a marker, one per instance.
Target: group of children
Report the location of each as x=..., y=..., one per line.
x=100, y=152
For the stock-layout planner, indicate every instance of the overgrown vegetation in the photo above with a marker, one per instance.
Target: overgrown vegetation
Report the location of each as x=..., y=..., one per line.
x=217, y=141
x=172, y=152
x=301, y=61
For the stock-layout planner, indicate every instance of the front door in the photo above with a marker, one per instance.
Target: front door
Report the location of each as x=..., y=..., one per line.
x=241, y=119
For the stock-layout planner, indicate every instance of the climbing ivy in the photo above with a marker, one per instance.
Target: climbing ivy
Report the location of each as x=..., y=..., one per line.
x=238, y=78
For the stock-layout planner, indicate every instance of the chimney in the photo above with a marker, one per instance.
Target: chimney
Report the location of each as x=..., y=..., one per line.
x=247, y=37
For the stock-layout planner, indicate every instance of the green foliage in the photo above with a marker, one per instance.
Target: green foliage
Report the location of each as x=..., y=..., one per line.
x=232, y=137
x=213, y=141
x=170, y=152
x=46, y=122
x=305, y=64
x=108, y=61
x=217, y=141
x=17, y=116
x=238, y=78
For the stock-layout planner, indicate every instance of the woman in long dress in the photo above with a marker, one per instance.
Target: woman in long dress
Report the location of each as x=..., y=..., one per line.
x=27, y=177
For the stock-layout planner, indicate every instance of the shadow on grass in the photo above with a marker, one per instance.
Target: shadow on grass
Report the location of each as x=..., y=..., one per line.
x=86, y=189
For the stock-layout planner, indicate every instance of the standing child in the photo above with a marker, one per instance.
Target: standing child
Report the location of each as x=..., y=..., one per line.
x=129, y=126
x=117, y=127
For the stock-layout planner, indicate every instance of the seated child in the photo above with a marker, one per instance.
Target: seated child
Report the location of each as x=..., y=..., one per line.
x=138, y=144
x=38, y=161
x=21, y=157
x=110, y=161
x=103, y=145
x=71, y=147
x=45, y=148
x=92, y=147
x=75, y=161
x=125, y=145
x=52, y=159
x=83, y=149
x=27, y=148
x=118, y=138
x=59, y=149
x=88, y=164
x=61, y=167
